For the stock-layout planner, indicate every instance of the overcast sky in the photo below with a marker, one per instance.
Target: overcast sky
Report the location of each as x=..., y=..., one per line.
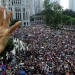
x=64, y=3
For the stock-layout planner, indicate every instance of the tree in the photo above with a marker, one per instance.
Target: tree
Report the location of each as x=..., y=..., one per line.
x=57, y=14
x=53, y=13
x=47, y=5
x=68, y=20
x=13, y=22
x=31, y=18
x=56, y=7
x=65, y=19
x=69, y=12
x=48, y=12
x=9, y=47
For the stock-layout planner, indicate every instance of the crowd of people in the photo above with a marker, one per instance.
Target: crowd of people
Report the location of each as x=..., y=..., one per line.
x=48, y=52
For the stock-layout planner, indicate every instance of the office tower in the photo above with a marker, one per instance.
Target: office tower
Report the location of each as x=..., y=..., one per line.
x=72, y=5
x=55, y=1
x=38, y=6
x=31, y=5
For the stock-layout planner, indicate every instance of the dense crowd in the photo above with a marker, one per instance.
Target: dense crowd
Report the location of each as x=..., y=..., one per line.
x=48, y=52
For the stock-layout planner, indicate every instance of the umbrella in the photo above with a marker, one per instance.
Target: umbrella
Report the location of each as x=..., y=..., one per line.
x=22, y=72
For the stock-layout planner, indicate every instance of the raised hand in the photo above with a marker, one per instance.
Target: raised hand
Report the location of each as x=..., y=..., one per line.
x=4, y=30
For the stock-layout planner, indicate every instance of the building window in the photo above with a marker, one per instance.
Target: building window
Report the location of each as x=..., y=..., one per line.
x=24, y=23
x=23, y=9
x=23, y=16
x=9, y=8
x=20, y=2
x=27, y=23
x=3, y=1
x=16, y=15
x=12, y=3
x=40, y=18
x=20, y=16
x=35, y=18
x=26, y=16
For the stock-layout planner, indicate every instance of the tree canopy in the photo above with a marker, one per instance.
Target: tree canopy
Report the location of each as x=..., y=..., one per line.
x=13, y=22
x=69, y=12
x=53, y=13
x=9, y=47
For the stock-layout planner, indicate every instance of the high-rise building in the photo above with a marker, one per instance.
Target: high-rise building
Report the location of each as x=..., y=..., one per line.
x=39, y=6
x=72, y=4
x=55, y=1
x=19, y=10
x=35, y=6
x=31, y=5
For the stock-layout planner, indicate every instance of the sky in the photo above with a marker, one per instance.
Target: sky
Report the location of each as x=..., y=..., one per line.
x=64, y=3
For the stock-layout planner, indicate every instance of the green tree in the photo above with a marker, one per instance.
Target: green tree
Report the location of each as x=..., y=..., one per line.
x=56, y=7
x=57, y=14
x=47, y=5
x=69, y=12
x=68, y=20
x=73, y=21
x=31, y=18
x=65, y=18
x=48, y=12
x=9, y=47
x=53, y=13
x=13, y=22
